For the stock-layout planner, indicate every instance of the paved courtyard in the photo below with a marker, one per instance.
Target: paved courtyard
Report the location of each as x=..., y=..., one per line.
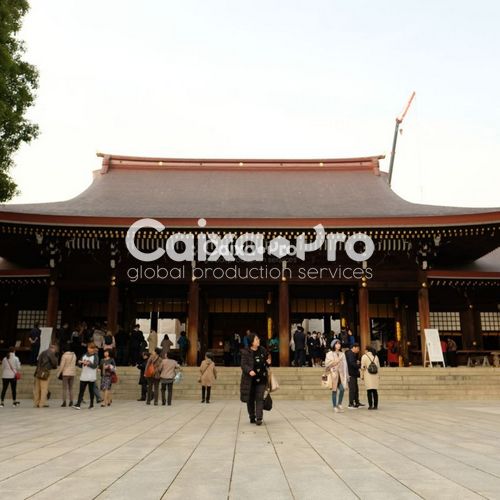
x=409, y=450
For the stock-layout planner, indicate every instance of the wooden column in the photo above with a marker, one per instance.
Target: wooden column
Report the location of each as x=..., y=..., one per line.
x=401, y=332
x=193, y=322
x=424, y=315
x=284, y=323
x=113, y=307
x=467, y=326
x=8, y=317
x=364, y=316
x=52, y=306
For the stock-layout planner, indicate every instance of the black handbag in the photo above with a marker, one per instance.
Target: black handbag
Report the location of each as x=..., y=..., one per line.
x=268, y=402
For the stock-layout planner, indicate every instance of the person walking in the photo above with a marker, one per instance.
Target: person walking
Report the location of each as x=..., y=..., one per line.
x=152, y=340
x=393, y=352
x=98, y=340
x=34, y=339
x=452, y=352
x=336, y=365
x=371, y=376
x=166, y=344
x=168, y=370
x=208, y=375
x=11, y=372
x=109, y=343
x=67, y=372
x=108, y=370
x=299, y=340
x=353, y=364
x=235, y=349
x=143, y=381
x=47, y=361
x=183, y=347
x=153, y=374
x=88, y=376
x=254, y=363
x=137, y=344
x=274, y=348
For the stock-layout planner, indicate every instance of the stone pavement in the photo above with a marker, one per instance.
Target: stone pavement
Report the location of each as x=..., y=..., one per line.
x=416, y=449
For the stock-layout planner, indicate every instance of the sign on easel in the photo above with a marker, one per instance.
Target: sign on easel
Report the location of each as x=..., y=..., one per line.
x=433, y=351
x=45, y=338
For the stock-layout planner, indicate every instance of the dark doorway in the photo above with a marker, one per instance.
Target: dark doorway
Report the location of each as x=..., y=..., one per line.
x=222, y=327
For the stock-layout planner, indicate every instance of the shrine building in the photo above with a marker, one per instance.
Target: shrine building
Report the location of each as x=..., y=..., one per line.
x=431, y=266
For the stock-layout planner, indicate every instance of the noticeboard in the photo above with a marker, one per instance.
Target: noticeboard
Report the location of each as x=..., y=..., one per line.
x=45, y=338
x=434, y=353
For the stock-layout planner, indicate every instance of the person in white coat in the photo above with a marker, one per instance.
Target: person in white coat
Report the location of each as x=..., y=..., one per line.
x=371, y=376
x=11, y=367
x=336, y=366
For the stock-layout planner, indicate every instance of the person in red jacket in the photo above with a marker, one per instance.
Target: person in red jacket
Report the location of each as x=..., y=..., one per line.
x=393, y=352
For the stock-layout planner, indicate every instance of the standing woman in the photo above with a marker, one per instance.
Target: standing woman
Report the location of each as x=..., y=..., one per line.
x=336, y=364
x=153, y=375
x=88, y=376
x=371, y=379
x=254, y=363
x=11, y=367
x=169, y=368
x=208, y=374
x=67, y=370
x=108, y=368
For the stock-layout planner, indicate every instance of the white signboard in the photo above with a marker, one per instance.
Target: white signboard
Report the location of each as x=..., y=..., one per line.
x=45, y=337
x=433, y=346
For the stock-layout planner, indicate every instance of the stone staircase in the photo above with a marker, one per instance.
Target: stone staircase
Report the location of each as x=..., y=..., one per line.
x=414, y=383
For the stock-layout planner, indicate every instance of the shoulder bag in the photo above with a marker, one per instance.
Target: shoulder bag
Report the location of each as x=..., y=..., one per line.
x=273, y=384
x=17, y=375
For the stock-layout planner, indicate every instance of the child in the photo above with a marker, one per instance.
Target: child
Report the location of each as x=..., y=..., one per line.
x=207, y=377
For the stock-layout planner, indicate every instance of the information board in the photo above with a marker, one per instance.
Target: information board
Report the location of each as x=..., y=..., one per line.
x=434, y=353
x=45, y=337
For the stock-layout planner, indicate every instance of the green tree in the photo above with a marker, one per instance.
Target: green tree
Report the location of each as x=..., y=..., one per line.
x=18, y=82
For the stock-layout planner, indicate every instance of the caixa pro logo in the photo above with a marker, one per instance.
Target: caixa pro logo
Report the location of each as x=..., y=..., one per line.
x=248, y=247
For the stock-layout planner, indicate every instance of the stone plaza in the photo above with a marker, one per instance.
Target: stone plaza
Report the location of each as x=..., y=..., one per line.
x=411, y=449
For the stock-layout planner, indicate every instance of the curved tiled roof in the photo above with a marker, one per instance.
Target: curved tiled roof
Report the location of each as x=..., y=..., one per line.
x=130, y=187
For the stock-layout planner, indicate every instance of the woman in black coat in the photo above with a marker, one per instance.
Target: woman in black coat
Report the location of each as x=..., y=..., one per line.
x=254, y=362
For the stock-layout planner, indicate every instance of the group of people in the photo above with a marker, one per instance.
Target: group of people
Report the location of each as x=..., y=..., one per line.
x=127, y=347
x=310, y=348
x=343, y=368
x=89, y=362
x=449, y=348
x=157, y=374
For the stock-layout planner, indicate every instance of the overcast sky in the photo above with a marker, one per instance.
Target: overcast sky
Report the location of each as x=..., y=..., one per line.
x=267, y=79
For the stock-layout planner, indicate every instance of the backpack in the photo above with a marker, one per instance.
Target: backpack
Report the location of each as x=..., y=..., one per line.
x=372, y=367
x=344, y=339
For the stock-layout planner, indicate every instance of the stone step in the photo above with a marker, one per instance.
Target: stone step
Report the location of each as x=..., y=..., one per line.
x=413, y=383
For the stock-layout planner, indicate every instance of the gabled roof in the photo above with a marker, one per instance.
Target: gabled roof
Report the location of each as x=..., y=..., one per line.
x=336, y=192
x=486, y=267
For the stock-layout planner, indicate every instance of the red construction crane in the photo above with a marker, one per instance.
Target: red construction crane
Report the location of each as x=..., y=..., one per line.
x=399, y=120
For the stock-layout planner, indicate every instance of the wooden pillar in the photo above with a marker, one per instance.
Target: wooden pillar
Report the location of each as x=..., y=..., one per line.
x=401, y=332
x=52, y=306
x=364, y=316
x=284, y=323
x=424, y=315
x=193, y=322
x=8, y=317
x=478, y=329
x=112, y=316
x=467, y=327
